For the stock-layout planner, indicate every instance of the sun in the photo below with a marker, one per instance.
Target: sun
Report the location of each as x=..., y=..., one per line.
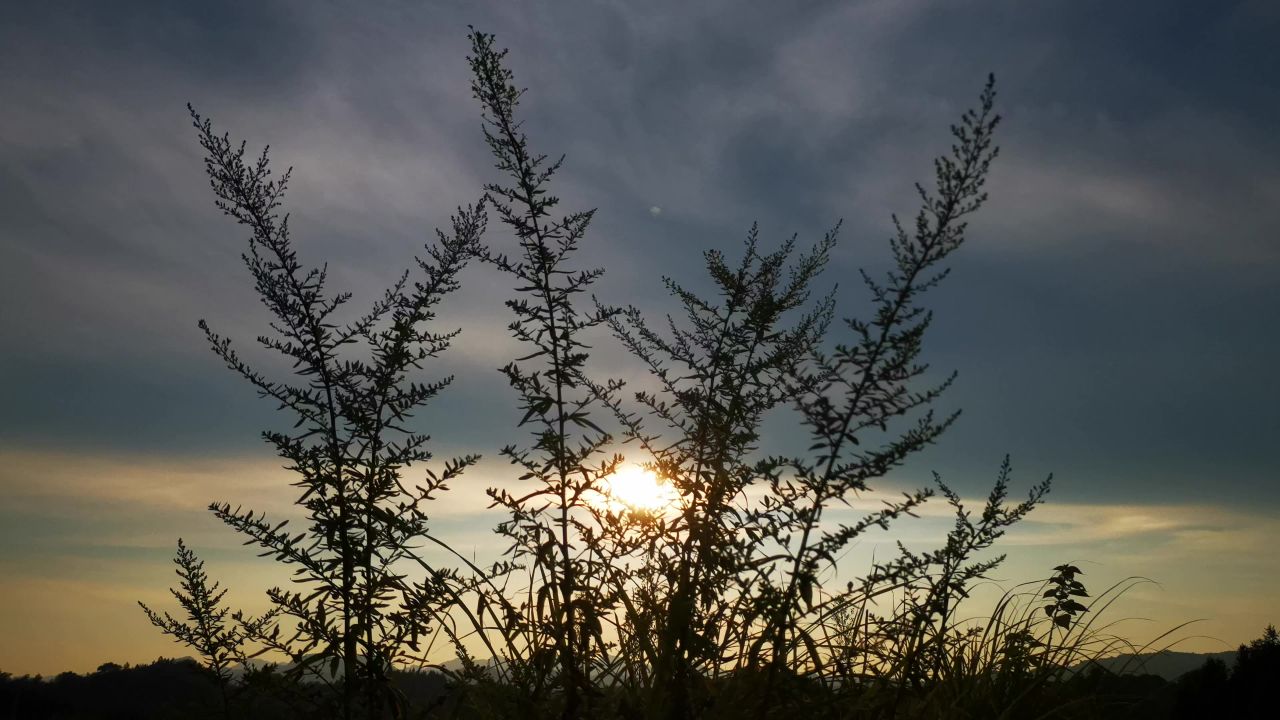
x=638, y=490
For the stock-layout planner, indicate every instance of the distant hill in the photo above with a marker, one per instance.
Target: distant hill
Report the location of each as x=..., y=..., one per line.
x=1166, y=664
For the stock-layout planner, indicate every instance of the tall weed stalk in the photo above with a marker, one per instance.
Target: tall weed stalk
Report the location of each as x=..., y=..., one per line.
x=354, y=612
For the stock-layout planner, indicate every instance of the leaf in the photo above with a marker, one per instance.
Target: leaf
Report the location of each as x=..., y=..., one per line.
x=1073, y=607
x=806, y=590
x=812, y=648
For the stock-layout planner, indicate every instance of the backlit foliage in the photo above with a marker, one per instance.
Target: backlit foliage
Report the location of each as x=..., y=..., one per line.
x=736, y=601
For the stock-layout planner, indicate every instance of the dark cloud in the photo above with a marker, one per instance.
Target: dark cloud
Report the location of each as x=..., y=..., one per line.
x=226, y=45
x=1108, y=318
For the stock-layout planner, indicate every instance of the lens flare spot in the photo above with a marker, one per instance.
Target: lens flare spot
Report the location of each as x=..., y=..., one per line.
x=638, y=490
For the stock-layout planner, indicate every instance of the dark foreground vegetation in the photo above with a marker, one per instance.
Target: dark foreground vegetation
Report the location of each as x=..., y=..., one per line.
x=737, y=601
x=175, y=689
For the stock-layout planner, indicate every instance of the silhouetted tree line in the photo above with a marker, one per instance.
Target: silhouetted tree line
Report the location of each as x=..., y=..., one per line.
x=182, y=689
x=1250, y=688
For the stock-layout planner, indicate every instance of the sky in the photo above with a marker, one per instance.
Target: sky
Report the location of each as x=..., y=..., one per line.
x=1111, y=318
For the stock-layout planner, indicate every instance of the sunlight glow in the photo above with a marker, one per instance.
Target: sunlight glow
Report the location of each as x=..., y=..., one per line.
x=638, y=490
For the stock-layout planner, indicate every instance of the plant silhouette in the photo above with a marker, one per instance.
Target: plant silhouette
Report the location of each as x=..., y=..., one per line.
x=356, y=614
x=732, y=602
x=209, y=628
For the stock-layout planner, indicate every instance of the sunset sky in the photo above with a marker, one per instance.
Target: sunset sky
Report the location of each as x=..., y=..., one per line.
x=1112, y=318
